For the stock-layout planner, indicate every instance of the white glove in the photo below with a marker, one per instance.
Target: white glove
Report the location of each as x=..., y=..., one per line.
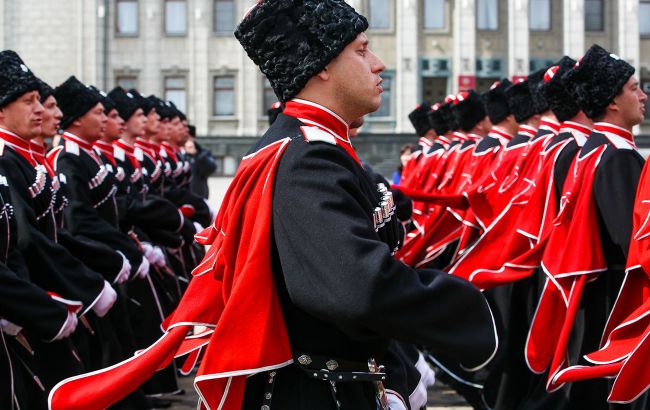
x=158, y=257
x=9, y=328
x=68, y=327
x=143, y=269
x=125, y=272
x=418, y=398
x=395, y=401
x=147, y=249
x=105, y=301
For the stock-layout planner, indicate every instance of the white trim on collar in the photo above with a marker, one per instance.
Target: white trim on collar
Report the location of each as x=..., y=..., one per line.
x=327, y=110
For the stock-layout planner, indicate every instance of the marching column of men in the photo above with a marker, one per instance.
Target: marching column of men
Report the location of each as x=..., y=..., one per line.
x=98, y=242
x=547, y=213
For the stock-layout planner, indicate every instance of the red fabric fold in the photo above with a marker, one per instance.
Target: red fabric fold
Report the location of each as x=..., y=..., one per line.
x=234, y=275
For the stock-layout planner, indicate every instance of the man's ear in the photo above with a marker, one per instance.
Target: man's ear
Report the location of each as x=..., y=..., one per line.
x=613, y=105
x=324, y=74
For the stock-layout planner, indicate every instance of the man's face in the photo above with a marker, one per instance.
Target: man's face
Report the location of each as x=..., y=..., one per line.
x=153, y=122
x=174, y=130
x=114, y=125
x=163, y=134
x=51, y=117
x=23, y=117
x=356, y=75
x=631, y=103
x=92, y=125
x=137, y=123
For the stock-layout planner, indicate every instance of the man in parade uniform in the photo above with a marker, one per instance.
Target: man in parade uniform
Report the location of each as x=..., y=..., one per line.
x=50, y=266
x=322, y=241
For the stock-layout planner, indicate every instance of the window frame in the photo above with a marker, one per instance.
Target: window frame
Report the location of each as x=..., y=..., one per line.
x=116, y=31
x=642, y=35
x=550, y=18
x=128, y=77
x=214, y=18
x=602, y=20
x=184, y=89
x=445, y=22
x=498, y=7
x=186, y=28
x=391, y=14
x=213, y=113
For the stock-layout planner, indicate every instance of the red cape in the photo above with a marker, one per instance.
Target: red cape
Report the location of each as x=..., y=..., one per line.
x=234, y=275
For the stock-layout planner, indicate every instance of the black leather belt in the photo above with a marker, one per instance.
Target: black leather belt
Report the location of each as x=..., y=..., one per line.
x=337, y=370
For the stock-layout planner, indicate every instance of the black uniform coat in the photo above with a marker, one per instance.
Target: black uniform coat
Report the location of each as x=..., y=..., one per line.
x=342, y=293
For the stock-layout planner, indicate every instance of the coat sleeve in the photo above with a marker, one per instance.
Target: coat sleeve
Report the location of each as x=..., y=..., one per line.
x=615, y=187
x=336, y=268
x=50, y=265
x=562, y=167
x=28, y=306
x=95, y=255
x=82, y=218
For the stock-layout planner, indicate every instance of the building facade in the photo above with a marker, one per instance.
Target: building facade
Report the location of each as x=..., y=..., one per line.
x=184, y=50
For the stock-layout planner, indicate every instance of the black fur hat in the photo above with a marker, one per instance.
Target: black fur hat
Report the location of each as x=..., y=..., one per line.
x=108, y=104
x=15, y=78
x=556, y=90
x=448, y=116
x=598, y=77
x=44, y=90
x=438, y=120
x=468, y=110
x=143, y=102
x=520, y=101
x=159, y=106
x=125, y=102
x=535, y=80
x=419, y=117
x=293, y=40
x=75, y=99
x=496, y=102
x=274, y=111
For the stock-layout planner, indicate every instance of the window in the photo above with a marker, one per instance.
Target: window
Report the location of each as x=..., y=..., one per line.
x=176, y=92
x=386, y=108
x=594, y=15
x=224, y=16
x=487, y=14
x=434, y=14
x=379, y=14
x=127, y=82
x=644, y=18
x=175, y=17
x=539, y=15
x=126, y=22
x=269, y=97
x=224, y=95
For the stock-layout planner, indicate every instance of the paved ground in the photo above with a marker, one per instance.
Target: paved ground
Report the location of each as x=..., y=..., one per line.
x=440, y=398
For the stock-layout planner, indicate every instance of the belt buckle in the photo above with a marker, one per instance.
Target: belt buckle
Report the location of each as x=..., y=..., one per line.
x=380, y=390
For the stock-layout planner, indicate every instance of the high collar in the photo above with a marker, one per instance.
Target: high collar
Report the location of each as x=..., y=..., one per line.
x=18, y=144
x=460, y=136
x=502, y=135
x=425, y=142
x=527, y=130
x=315, y=114
x=474, y=137
x=73, y=138
x=578, y=131
x=550, y=124
x=619, y=137
x=128, y=148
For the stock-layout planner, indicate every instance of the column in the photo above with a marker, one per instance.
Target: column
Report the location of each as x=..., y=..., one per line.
x=249, y=85
x=151, y=20
x=199, y=31
x=573, y=27
x=628, y=32
x=3, y=23
x=518, y=39
x=464, y=32
x=407, y=74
